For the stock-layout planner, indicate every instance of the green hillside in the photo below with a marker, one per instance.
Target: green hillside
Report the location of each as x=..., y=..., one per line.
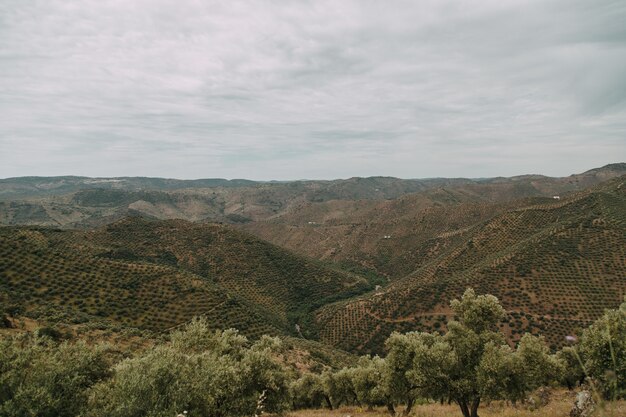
x=156, y=275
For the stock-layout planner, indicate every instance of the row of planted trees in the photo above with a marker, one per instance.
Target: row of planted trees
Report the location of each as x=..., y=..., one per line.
x=469, y=363
x=222, y=374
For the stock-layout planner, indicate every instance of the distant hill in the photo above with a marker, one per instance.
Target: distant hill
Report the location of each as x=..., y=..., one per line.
x=381, y=236
x=25, y=187
x=554, y=264
x=80, y=202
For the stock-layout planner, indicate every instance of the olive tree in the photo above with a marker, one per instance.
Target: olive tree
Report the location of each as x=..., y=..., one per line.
x=399, y=361
x=447, y=366
x=308, y=392
x=471, y=361
x=339, y=388
x=510, y=374
x=370, y=381
x=205, y=372
x=573, y=373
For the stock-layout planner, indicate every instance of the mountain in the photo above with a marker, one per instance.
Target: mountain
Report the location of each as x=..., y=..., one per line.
x=26, y=187
x=381, y=236
x=554, y=264
x=80, y=202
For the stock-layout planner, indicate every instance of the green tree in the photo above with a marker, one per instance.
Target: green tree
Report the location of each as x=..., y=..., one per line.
x=510, y=374
x=399, y=361
x=308, y=392
x=447, y=366
x=344, y=388
x=471, y=361
x=573, y=373
x=369, y=379
x=205, y=372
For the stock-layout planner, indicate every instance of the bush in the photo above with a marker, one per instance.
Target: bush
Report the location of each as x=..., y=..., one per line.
x=39, y=377
x=603, y=352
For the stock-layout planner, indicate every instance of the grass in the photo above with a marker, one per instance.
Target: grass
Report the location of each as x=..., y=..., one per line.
x=560, y=406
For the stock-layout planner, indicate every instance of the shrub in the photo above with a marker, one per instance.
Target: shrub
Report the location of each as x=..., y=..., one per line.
x=39, y=377
x=603, y=352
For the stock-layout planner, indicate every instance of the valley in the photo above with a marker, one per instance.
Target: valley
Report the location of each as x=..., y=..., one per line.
x=347, y=261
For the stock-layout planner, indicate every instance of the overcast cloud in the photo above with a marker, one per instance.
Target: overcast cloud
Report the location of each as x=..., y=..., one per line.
x=311, y=89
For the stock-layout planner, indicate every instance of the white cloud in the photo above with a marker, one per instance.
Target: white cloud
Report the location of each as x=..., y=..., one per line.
x=318, y=89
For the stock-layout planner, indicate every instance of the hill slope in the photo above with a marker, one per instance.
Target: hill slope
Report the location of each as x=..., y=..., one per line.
x=155, y=275
x=555, y=266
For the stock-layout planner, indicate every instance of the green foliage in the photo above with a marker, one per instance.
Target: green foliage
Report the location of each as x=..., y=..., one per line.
x=308, y=392
x=338, y=387
x=39, y=377
x=556, y=264
x=510, y=374
x=50, y=332
x=400, y=356
x=471, y=361
x=370, y=381
x=223, y=374
x=201, y=371
x=540, y=368
x=156, y=275
x=603, y=352
x=573, y=373
x=478, y=313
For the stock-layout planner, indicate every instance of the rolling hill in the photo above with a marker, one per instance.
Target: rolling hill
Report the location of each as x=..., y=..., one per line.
x=158, y=274
x=349, y=261
x=554, y=264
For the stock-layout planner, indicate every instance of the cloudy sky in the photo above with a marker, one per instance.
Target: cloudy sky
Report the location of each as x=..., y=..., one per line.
x=286, y=89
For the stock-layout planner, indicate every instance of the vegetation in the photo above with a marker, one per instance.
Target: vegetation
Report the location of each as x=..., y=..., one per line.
x=555, y=267
x=602, y=353
x=204, y=372
x=41, y=377
x=221, y=373
x=101, y=322
x=472, y=362
x=157, y=275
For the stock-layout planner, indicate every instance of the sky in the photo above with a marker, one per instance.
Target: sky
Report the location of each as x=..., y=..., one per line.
x=293, y=89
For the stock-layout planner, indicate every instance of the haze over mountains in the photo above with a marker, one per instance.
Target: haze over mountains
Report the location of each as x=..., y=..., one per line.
x=348, y=261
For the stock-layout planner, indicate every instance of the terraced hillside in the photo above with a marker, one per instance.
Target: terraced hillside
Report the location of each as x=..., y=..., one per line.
x=555, y=265
x=155, y=275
